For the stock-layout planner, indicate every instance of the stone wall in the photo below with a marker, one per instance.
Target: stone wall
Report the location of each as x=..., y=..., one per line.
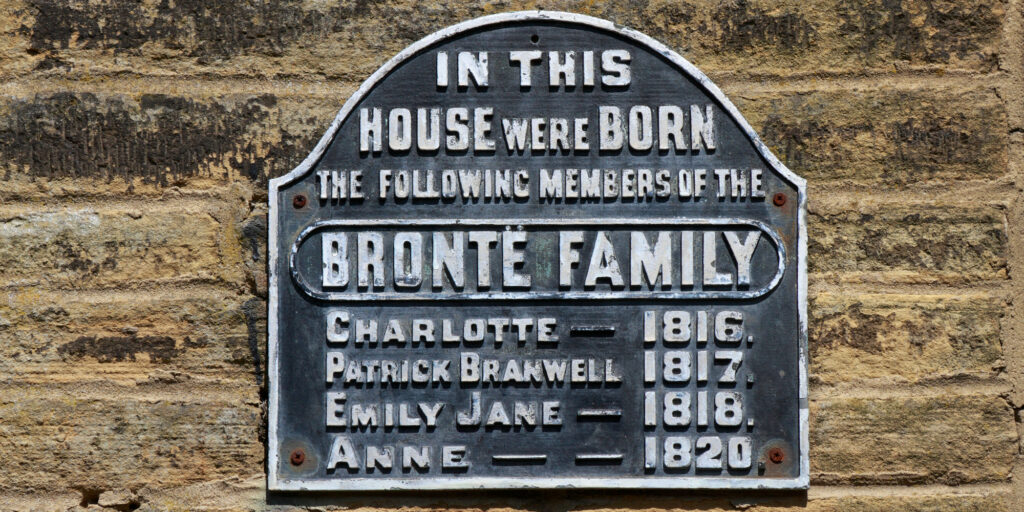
x=137, y=138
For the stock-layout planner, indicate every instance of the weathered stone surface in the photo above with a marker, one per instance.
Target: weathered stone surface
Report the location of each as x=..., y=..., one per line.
x=857, y=337
x=131, y=337
x=122, y=246
x=77, y=143
x=350, y=40
x=908, y=243
x=164, y=140
x=253, y=232
x=51, y=443
x=887, y=135
x=951, y=439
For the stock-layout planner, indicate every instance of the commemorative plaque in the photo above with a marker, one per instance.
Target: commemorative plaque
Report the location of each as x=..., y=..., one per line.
x=537, y=250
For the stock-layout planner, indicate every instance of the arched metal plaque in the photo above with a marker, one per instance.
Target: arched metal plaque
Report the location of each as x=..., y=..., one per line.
x=538, y=250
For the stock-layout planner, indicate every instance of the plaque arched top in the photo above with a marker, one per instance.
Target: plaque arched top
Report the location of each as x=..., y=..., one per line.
x=503, y=20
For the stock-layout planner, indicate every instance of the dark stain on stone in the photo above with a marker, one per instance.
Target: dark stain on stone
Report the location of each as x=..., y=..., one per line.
x=894, y=29
x=206, y=31
x=50, y=62
x=109, y=349
x=917, y=241
x=797, y=140
x=255, y=311
x=852, y=328
x=158, y=139
x=67, y=254
x=905, y=254
x=49, y=314
x=970, y=334
x=742, y=26
x=254, y=234
x=200, y=342
x=89, y=496
x=930, y=141
x=922, y=145
x=216, y=31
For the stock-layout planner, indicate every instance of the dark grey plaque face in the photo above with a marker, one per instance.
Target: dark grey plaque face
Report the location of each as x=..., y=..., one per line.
x=538, y=250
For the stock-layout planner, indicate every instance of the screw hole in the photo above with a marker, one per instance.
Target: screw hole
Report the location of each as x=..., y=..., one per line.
x=299, y=201
x=779, y=199
x=535, y=39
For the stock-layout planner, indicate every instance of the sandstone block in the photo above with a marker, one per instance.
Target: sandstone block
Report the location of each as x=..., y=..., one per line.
x=950, y=439
x=132, y=337
x=883, y=135
x=89, y=144
x=123, y=246
x=75, y=144
x=294, y=38
x=908, y=243
x=53, y=443
x=857, y=337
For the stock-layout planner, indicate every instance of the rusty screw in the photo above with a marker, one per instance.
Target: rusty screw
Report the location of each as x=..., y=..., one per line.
x=297, y=457
x=779, y=199
x=775, y=455
x=299, y=201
